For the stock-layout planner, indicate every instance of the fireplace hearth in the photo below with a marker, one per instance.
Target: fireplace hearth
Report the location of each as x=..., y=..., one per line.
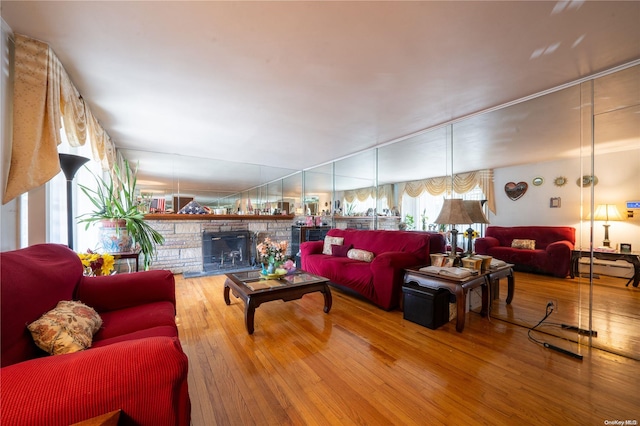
x=227, y=251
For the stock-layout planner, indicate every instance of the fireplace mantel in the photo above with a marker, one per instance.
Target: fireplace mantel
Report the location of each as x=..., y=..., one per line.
x=175, y=216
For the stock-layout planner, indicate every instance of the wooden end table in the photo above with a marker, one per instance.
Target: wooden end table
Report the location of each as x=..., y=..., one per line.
x=633, y=258
x=254, y=290
x=460, y=287
x=135, y=255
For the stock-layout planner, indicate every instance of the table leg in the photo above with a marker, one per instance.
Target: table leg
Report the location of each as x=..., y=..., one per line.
x=573, y=267
x=486, y=289
x=461, y=301
x=249, y=315
x=511, y=282
x=226, y=294
x=328, y=300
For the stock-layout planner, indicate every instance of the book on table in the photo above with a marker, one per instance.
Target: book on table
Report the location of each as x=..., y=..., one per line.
x=449, y=271
x=264, y=284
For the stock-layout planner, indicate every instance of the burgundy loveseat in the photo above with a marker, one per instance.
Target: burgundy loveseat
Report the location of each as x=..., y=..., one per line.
x=380, y=280
x=552, y=253
x=135, y=364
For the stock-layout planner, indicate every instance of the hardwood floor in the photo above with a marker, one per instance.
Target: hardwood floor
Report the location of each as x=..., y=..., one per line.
x=616, y=310
x=362, y=365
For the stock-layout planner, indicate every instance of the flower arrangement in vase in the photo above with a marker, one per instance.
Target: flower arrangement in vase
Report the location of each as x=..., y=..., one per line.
x=271, y=254
x=470, y=235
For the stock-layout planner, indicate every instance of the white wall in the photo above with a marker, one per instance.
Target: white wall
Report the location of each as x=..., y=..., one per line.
x=618, y=181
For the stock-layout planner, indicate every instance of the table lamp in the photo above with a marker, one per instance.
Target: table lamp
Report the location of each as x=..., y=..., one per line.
x=606, y=212
x=453, y=213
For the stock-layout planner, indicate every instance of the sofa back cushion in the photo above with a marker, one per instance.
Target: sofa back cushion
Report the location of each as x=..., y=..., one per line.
x=380, y=241
x=543, y=235
x=33, y=280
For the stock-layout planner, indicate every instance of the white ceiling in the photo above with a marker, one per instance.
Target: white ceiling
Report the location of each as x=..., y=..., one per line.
x=290, y=85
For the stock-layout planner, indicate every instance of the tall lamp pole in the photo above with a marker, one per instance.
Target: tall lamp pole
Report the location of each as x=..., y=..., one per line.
x=70, y=164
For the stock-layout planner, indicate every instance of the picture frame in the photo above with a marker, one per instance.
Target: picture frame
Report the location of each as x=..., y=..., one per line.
x=625, y=248
x=554, y=202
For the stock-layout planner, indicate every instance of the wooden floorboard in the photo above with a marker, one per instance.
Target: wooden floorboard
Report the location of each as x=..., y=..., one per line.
x=360, y=365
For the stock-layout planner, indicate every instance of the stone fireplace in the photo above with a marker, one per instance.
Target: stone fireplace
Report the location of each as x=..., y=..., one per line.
x=227, y=251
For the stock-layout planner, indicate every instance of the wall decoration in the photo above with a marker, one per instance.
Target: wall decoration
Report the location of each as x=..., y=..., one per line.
x=554, y=202
x=537, y=181
x=560, y=180
x=587, y=180
x=515, y=190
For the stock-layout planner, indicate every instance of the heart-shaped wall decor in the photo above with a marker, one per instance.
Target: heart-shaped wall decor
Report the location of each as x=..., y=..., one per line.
x=515, y=190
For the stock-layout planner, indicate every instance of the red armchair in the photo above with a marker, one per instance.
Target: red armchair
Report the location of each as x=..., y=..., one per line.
x=135, y=364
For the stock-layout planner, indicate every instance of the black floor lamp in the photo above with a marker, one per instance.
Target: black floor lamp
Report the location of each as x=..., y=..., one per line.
x=70, y=164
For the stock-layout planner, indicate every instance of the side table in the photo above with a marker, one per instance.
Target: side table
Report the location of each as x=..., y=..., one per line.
x=494, y=275
x=127, y=255
x=461, y=287
x=633, y=258
x=458, y=287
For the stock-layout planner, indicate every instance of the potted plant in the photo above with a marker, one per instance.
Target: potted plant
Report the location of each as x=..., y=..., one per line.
x=117, y=209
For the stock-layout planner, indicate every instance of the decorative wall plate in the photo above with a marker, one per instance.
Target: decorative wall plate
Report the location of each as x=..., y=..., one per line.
x=587, y=180
x=560, y=180
x=537, y=181
x=515, y=190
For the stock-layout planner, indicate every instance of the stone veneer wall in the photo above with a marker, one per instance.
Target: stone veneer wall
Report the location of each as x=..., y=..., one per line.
x=182, y=248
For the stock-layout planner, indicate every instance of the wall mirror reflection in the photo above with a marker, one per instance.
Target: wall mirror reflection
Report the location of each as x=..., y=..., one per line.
x=587, y=129
x=596, y=307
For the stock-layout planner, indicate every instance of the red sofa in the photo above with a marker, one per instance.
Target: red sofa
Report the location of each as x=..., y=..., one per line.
x=135, y=364
x=552, y=253
x=380, y=280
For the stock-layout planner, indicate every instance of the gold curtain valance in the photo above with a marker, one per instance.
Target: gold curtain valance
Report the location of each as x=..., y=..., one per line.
x=362, y=194
x=43, y=99
x=461, y=183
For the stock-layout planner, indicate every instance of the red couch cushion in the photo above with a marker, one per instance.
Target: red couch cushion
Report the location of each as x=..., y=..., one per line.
x=129, y=320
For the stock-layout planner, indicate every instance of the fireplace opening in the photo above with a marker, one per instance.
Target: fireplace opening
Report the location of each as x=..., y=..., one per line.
x=227, y=251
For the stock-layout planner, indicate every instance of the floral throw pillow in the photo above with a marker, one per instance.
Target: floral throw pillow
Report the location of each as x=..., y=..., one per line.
x=329, y=241
x=524, y=244
x=67, y=328
x=359, y=254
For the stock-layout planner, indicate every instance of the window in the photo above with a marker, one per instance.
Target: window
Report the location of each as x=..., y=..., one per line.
x=421, y=212
x=57, y=202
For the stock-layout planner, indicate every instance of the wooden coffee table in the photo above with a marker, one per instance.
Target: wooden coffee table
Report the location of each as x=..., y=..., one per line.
x=254, y=290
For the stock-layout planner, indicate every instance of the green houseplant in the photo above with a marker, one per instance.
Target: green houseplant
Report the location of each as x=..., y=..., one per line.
x=116, y=207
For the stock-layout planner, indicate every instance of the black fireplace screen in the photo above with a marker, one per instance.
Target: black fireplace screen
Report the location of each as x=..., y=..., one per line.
x=224, y=251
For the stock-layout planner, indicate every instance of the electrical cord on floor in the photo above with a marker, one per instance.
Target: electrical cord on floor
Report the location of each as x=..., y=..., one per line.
x=548, y=312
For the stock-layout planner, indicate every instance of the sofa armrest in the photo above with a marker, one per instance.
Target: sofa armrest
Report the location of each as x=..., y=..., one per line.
x=482, y=245
x=146, y=378
x=120, y=291
x=560, y=248
x=559, y=258
x=388, y=275
x=311, y=247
